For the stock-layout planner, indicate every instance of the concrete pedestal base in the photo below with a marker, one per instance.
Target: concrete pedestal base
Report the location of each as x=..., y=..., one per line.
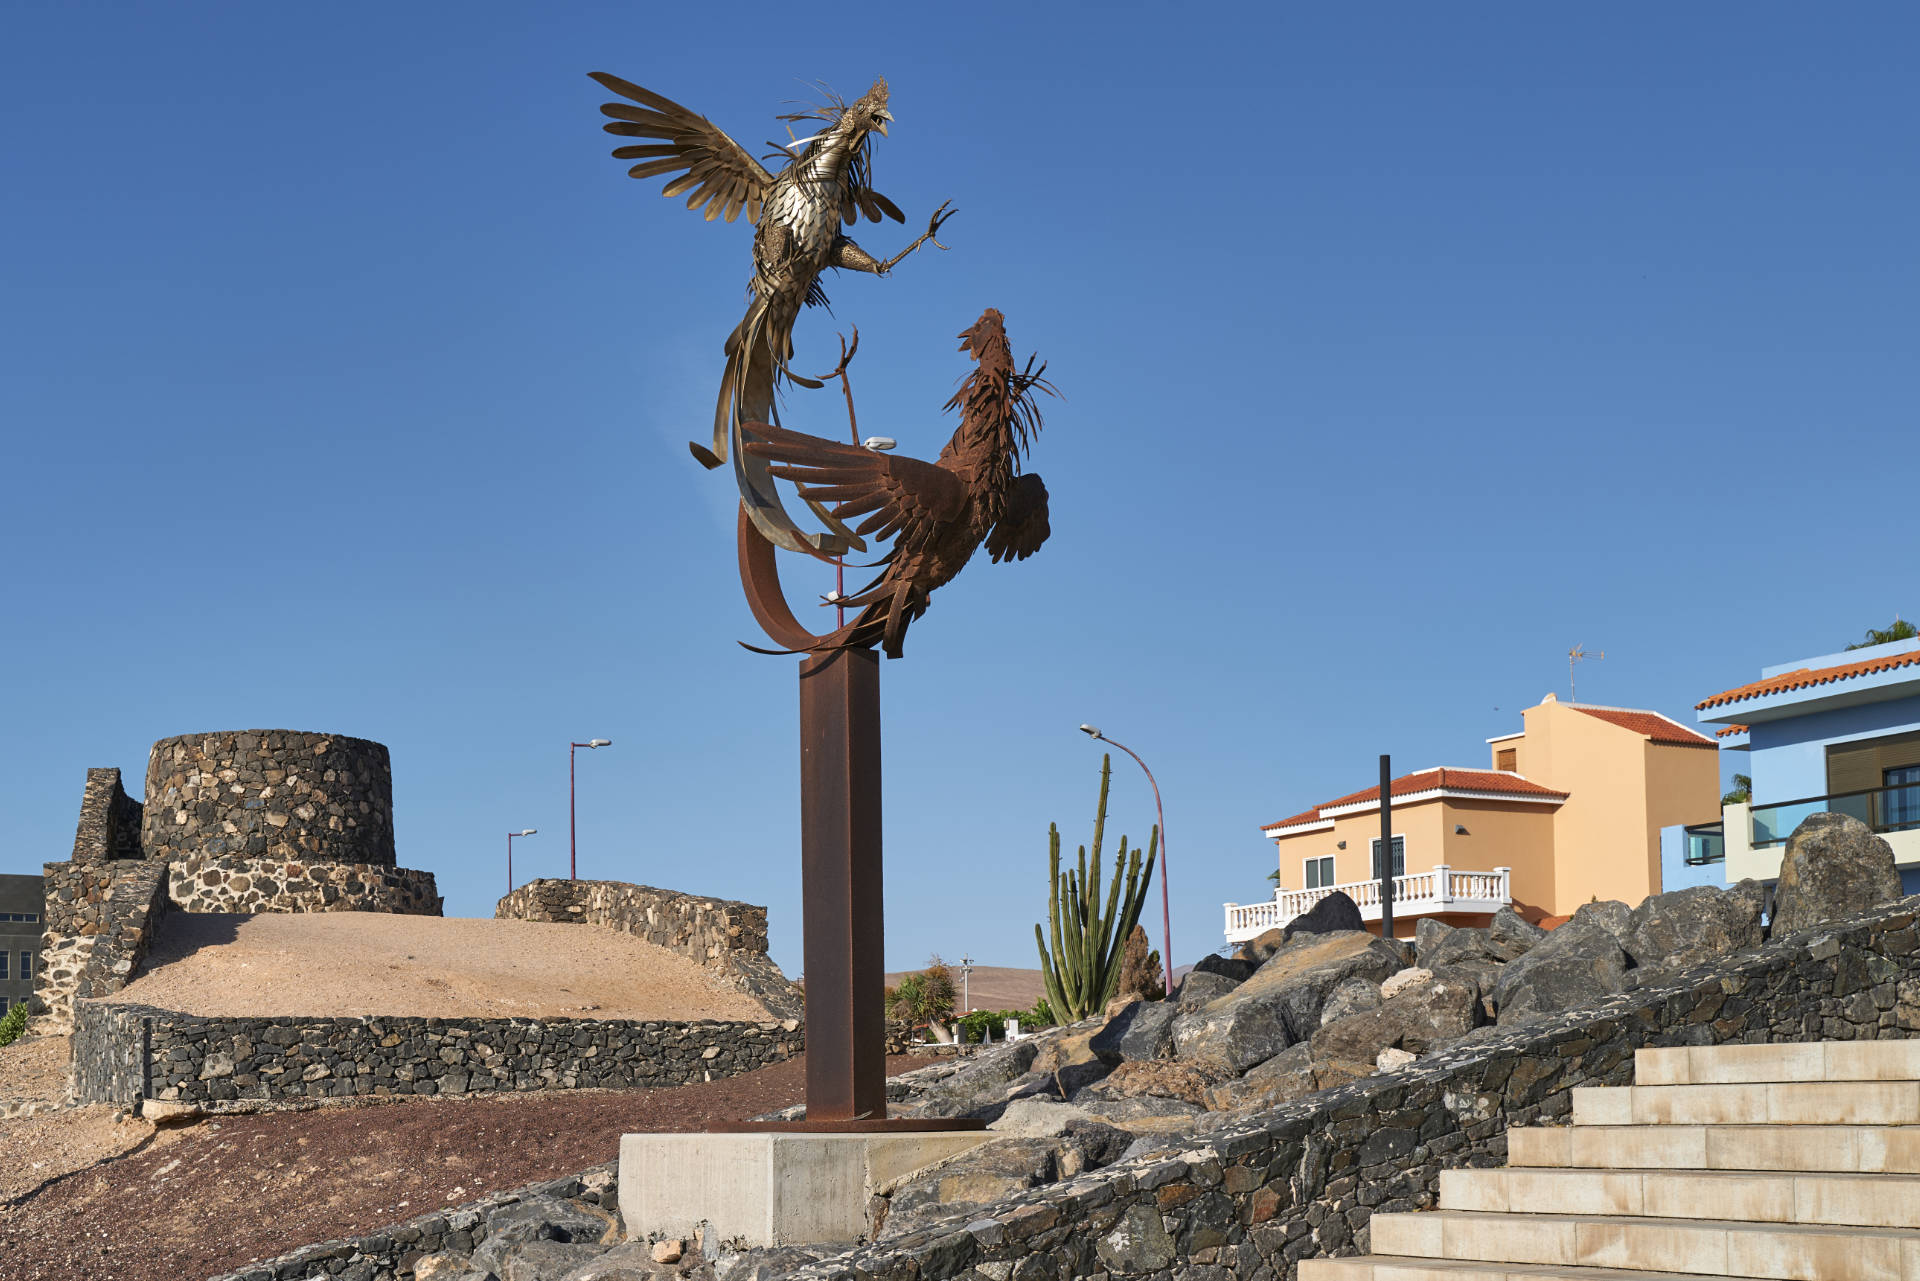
x=769, y=1189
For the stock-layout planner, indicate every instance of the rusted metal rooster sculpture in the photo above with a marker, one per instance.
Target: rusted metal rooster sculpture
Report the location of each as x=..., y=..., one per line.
x=826, y=179
x=937, y=513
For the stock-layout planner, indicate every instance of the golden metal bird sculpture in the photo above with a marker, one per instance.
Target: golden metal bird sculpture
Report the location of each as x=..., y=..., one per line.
x=825, y=180
x=937, y=513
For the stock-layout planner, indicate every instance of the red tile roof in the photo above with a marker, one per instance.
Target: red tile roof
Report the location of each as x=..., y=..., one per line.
x=1652, y=724
x=1806, y=678
x=1449, y=778
x=1730, y=731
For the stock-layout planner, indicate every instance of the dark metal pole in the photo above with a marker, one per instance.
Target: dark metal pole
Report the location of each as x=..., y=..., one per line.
x=1386, y=846
x=840, y=856
x=509, y=862
x=572, y=840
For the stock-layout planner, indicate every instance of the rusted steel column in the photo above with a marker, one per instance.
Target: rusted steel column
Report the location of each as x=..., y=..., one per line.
x=842, y=886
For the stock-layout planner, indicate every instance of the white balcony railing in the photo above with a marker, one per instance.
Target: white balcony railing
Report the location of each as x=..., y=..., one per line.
x=1444, y=889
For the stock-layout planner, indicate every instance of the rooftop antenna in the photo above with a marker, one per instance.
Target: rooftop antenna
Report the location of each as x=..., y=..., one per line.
x=1575, y=655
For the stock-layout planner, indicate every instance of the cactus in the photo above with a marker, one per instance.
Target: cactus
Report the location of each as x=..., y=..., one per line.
x=1082, y=972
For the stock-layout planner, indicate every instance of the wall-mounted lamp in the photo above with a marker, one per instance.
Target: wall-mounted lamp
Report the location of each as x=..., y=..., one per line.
x=1460, y=829
x=1341, y=845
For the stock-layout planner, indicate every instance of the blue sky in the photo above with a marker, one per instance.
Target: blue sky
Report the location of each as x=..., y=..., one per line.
x=345, y=381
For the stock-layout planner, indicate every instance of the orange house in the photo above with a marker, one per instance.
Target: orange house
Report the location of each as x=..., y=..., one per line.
x=1569, y=811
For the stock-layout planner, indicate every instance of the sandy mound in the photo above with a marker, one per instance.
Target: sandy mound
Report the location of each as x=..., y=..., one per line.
x=353, y=963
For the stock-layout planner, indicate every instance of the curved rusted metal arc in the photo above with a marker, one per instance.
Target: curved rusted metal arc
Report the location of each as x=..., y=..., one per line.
x=760, y=581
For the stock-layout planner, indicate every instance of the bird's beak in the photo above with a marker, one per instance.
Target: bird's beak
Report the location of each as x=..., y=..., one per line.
x=880, y=120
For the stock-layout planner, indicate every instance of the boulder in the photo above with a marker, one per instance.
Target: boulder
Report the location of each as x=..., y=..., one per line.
x=1334, y=914
x=1427, y=933
x=543, y=1218
x=1037, y=1118
x=633, y=1261
x=542, y=1260
x=1392, y=1060
x=1143, y=1030
x=1398, y=983
x=1415, y=1019
x=1279, y=1005
x=1686, y=927
x=1261, y=946
x=1834, y=867
x=1231, y=967
x=1199, y=988
x=1289, y=1075
x=1142, y=1114
x=991, y=1172
x=1484, y=975
x=1511, y=935
x=1577, y=964
x=1611, y=915
x=1351, y=996
x=1458, y=947
x=986, y=1079
x=1158, y=1079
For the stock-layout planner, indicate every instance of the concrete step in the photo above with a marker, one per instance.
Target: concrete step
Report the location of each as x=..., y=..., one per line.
x=1856, y=1149
x=1709, y=1247
x=1809, y=1061
x=1846, y=1200
x=1789, y=1103
x=1386, y=1268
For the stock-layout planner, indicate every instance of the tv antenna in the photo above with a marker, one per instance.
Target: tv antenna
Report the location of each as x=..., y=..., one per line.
x=1575, y=655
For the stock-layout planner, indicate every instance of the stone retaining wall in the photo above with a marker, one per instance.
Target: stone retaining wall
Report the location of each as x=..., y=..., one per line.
x=122, y=1052
x=721, y=934
x=392, y=1252
x=100, y=919
x=204, y=884
x=1304, y=1180
x=269, y=793
x=109, y=826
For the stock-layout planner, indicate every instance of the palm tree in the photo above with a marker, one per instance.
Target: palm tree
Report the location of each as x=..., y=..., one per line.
x=927, y=997
x=1899, y=631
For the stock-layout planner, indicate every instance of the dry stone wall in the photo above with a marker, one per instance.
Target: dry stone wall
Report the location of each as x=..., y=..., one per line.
x=109, y=826
x=206, y=884
x=723, y=935
x=122, y=1052
x=1304, y=1180
x=269, y=793
x=100, y=919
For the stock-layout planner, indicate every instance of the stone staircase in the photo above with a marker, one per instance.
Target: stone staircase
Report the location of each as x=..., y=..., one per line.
x=1792, y=1162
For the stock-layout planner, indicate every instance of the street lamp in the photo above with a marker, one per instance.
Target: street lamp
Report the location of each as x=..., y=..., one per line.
x=1166, y=913
x=573, y=835
x=529, y=831
x=966, y=974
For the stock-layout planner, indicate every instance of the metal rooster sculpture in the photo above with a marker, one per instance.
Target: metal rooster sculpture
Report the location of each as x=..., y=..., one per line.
x=826, y=180
x=937, y=513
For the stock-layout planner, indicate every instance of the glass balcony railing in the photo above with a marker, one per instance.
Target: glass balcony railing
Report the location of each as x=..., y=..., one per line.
x=1706, y=843
x=1884, y=809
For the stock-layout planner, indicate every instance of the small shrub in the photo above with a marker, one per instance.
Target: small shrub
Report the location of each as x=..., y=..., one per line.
x=13, y=1023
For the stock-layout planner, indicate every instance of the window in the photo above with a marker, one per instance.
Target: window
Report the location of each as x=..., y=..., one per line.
x=3, y=966
x=1901, y=806
x=1507, y=758
x=26, y=965
x=1399, y=856
x=1319, y=872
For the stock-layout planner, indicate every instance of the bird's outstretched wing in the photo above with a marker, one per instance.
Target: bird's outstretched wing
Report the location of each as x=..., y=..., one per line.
x=723, y=177
x=1023, y=526
x=902, y=498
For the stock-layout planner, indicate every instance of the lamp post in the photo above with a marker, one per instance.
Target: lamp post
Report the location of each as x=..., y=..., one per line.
x=573, y=835
x=510, y=835
x=966, y=976
x=1166, y=914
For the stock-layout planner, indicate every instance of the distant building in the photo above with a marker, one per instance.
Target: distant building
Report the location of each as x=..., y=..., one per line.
x=21, y=907
x=1836, y=732
x=1571, y=810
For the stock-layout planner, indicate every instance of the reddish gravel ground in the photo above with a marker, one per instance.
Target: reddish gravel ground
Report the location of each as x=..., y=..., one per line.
x=232, y=1190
